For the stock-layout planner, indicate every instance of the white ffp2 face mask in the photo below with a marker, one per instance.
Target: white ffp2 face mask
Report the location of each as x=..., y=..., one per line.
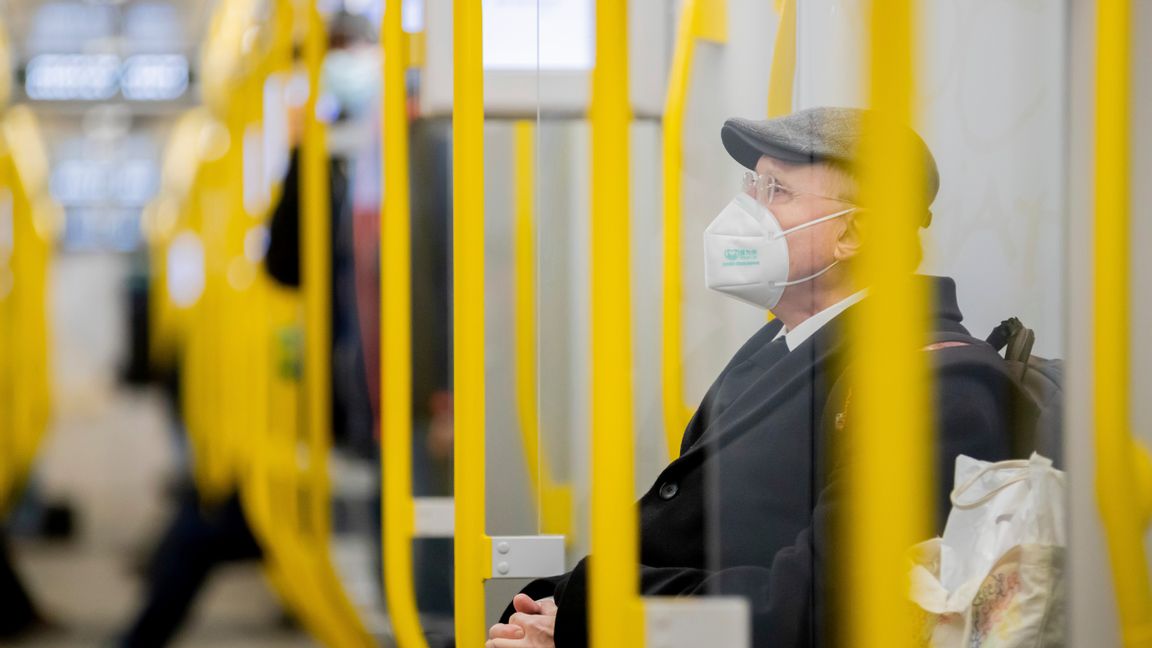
x=746, y=253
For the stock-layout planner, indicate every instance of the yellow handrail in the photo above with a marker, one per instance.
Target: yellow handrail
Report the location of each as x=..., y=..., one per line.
x=30, y=218
x=783, y=71
x=396, y=342
x=316, y=245
x=553, y=500
x=615, y=609
x=699, y=19
x=889, y=467
x=472, y=545
x=1116, y=481
x=316, y=276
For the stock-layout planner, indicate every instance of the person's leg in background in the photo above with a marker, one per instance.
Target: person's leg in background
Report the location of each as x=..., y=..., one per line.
x=18, y=615
x=198, y=541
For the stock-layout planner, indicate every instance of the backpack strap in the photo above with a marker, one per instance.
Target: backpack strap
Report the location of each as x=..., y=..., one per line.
x=949, y=340
x=1016, y=340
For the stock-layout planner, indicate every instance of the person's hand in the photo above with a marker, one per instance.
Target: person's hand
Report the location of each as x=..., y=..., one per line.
x=532, y=626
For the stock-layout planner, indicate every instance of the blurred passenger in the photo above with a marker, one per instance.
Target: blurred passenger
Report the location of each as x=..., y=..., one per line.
x=205, y=535
x=750, y=506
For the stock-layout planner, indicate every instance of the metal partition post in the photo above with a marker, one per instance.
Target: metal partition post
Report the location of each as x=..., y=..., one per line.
x=1116, y=482
x=706, y=20
x=889, y=464
x=615, y=611
x=473, y=547
x=396, y=342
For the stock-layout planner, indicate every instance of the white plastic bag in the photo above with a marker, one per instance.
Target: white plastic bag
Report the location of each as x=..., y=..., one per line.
x=995, y=579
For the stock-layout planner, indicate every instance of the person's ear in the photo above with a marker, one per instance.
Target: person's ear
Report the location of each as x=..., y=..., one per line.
x=850, y=239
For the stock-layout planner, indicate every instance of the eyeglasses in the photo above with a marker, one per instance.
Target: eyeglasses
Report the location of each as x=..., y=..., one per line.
x=768, y=191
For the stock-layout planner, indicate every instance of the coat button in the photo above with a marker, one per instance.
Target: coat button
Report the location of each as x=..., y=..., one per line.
x=668, y=490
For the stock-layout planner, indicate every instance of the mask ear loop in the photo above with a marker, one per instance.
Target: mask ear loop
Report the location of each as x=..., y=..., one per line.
x=817, y=221
x=808, y=278
x=802, y=226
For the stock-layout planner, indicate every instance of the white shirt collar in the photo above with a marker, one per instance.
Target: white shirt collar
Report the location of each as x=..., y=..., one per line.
x=808, y=327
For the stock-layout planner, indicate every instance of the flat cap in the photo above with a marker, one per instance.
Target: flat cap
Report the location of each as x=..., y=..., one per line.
x=813, y=135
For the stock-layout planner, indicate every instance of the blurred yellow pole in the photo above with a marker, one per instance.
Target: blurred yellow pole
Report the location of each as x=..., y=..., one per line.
x=340, y=620
x=615, y=610
x=7, y=440
x=782, y=77
x=699, y=19
x=524, y=260
x=396, y=341
x=890, y=452
x=553, y=500
x=316, y=275
x=1116, y=479
x=473, y=548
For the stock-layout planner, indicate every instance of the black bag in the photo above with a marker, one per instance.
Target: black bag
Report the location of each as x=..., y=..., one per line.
x=1039, y=401
x=1041, y=381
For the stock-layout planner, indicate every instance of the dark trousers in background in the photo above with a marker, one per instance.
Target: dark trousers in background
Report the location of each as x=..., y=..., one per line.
x=199, y=540
x=17, y=613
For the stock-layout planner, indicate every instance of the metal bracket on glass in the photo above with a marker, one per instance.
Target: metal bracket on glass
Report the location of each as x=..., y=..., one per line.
x=435, y=517
x=527, y=556
x=697, y=621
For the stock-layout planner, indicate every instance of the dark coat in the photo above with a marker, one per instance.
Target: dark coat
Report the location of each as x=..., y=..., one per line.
x=747, y=508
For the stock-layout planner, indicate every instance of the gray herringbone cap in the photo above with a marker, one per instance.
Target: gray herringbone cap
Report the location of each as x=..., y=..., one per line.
x=813, y=135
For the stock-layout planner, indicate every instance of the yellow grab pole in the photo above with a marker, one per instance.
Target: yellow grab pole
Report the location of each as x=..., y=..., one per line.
x=553, y=500
x=396, y=342
x=782, y=77
x=7, y=208
x=524, y=260
x=704, y=19
x=615, y=610
x=1116, y=483
x=890, y=456
x=341, y=620
x=316, y=246
x=473, y=546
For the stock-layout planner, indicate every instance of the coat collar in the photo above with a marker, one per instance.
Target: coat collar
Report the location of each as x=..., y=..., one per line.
x=771, y=388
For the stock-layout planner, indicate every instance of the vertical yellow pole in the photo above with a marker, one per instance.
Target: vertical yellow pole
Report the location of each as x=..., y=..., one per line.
x=676, y=414
x=7, y=211
x=783, y=70
x=316, y=249
x=703, y=19
x=890, y=455
x=615, y=611
x=1116, y=481
x=553, y=500
x=396, y=342
x=473, y=546
x=524, y=262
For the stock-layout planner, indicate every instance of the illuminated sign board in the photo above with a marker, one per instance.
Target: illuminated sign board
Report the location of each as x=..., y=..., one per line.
x=72, y=77
x=100, y=77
